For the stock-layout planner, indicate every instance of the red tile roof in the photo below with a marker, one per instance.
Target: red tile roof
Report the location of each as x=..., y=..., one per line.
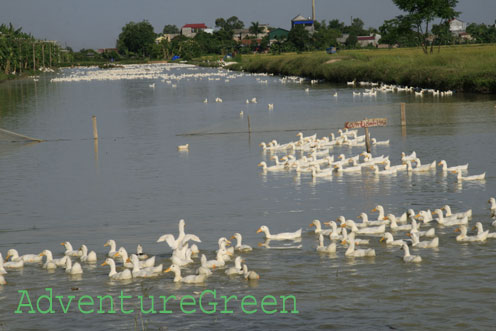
x=366, y=38
x=195, y=26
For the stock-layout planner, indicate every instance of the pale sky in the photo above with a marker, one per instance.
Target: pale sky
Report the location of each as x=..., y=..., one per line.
x=97, y=23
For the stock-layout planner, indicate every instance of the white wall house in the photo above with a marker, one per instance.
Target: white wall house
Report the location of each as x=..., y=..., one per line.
x=457, y=26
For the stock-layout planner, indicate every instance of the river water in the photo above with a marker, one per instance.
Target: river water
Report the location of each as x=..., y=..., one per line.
x=133, y=185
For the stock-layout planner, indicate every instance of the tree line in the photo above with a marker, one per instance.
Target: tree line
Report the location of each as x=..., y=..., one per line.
x=21, y=53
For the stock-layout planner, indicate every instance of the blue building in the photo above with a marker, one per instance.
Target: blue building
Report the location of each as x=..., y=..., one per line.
x=307, y=22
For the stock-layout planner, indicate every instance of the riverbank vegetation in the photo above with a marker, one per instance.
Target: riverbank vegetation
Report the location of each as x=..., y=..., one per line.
x=467, y=68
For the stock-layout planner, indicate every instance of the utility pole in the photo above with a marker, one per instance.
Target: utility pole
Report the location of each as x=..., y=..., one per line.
x=313, y=11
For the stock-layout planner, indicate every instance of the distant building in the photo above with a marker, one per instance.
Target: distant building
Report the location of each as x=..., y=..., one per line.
x=190, y=30
x=457, y=26
x=343, y=39
x=106, y=50
x=278, y=34
x=365, y=41
x=240, y=34
x=307, y=22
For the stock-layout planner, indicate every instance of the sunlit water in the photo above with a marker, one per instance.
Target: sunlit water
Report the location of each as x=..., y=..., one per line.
x=136, y=186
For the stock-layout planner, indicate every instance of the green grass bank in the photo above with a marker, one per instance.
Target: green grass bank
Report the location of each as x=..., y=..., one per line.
x=470, y=68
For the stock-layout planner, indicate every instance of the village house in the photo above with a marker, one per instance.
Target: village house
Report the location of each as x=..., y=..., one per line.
x=240, y=34
x=372, y=40
x=307, y=22
x=458, y=29
x=190, y=30
x=278, y=35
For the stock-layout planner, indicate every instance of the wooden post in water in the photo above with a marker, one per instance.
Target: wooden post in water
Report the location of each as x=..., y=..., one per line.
x=367, y=138
x=403, y=114
x=95, y=130
x=249, y=124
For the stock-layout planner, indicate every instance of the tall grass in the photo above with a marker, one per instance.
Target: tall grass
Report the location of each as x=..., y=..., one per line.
x=462, y=68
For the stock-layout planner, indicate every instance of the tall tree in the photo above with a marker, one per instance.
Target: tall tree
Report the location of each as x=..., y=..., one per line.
x=137, y=38
x=170, y=29
x=422, y=14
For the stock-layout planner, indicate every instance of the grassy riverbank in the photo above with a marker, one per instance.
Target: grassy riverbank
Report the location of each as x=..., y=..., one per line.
x=469, y=68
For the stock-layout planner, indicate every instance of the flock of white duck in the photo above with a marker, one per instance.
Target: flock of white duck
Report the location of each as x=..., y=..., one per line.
x=387, y=227
x=408, y=224
x=140, y=265
x=385, y=88
x=316, y=158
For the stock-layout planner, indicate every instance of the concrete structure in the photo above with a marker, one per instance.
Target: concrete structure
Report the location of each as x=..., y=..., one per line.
x=166, y=36
x=190, y=30
x=365, y=41
x=278, y=34
x=457, y=26
x=307, y=22
x=241, y=34
x=343, y=39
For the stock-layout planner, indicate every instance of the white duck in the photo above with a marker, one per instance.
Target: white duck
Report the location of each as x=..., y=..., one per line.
x=461, y=178
x=492, y=206
x=26, y=258
x=467, y=213
x=280, y=167
x=388, y=237
x=181, y=238
x=140, y=254
x=410, y=258
x=249, y=274
x=383, y=143
x=279, y=236
x=239, y=245
x=318, y=228
x=480, y=231
x=223, y=244
x=237, y=269
x=352, y=252
x=366, y=222
x=368, y=230
x=399, y=167
x=336, y=232
x=122, y=253
x=354, y=169
x=52, y=263
x=2, y=280
x=357, y=240
x=462, y=237
x=433, y=243
x=449, y=221
x=11, y=264
x=421, y=167
x=143, y=272
x=325, y=249
x=204, y=267
x=87, y=257
x=113, y=246
x=394, y=224
x=386, y=172
x=445, y=167
x=73, y=269
x=113, y=274
x=424, y=216
x=219, y=260
x=410, y=157
x=428, y=233
x=191, y=279
x=2, y=269
x=69, y=251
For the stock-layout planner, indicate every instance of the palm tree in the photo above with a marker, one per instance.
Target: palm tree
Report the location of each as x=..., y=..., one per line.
x=255, y=28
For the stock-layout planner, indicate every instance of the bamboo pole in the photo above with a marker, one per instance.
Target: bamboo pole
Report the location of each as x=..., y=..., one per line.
x=249, y=124
x=95, y=130
x=403, y=114
x=367, y=139
x=34, y=58
x=403, y=119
